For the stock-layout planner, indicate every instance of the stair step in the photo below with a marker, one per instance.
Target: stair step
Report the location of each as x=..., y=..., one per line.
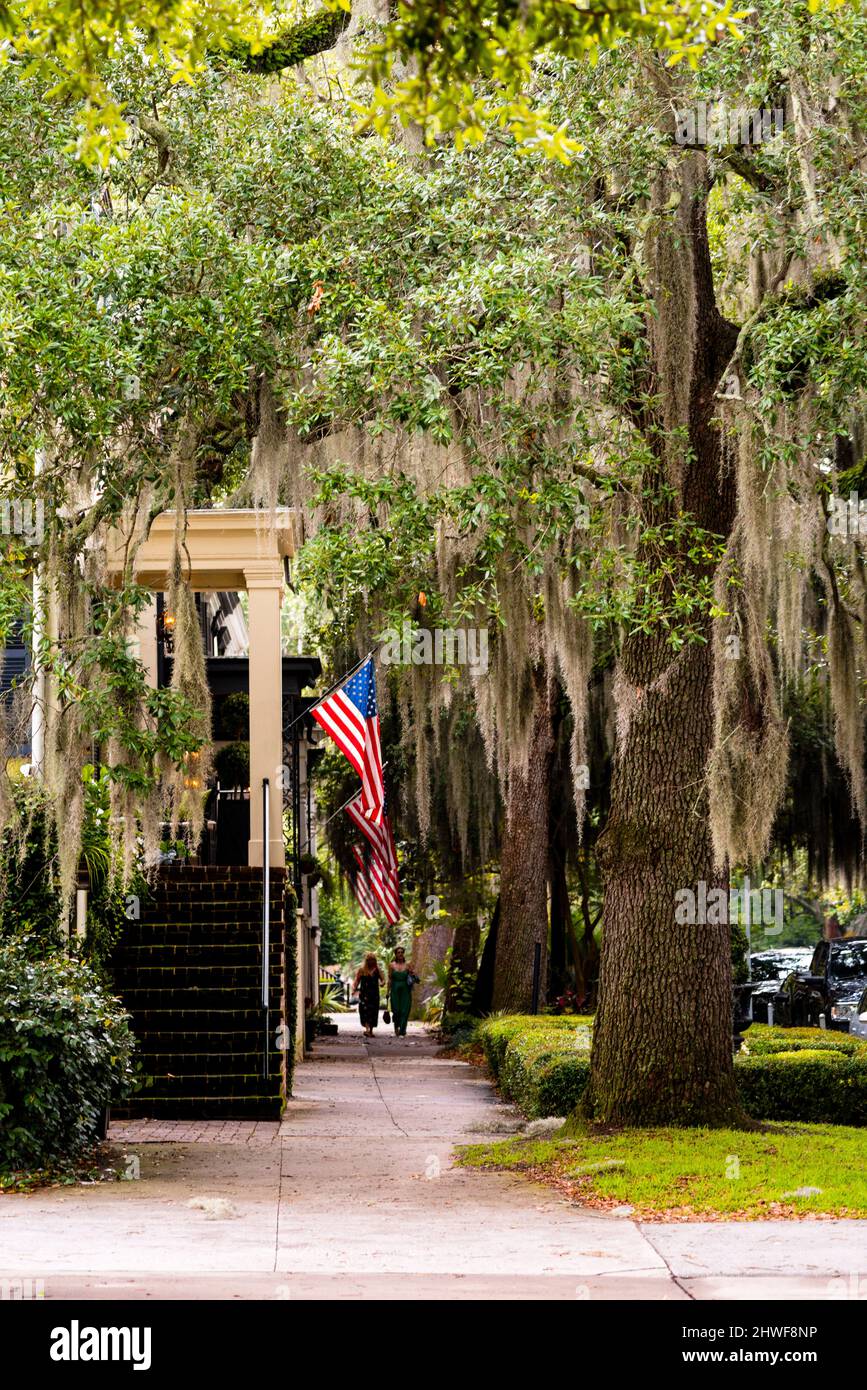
x=216, y=1041
x=171, y=938
x=187, y=1002
x=250, y=1083
x=161, y=1062
x=142, y=955
x=246, y=911
x=189, y=972
x=180, y=978
x=253, y=1107
x=184, y=1018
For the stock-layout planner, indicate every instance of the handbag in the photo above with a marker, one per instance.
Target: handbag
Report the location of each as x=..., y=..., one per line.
x=386, y=1016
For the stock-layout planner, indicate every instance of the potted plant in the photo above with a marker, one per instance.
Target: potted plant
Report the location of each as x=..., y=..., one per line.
x=232, y=764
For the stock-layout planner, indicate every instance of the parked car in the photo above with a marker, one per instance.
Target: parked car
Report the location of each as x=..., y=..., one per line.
x=768, y=969
x=836, y=977
x=853, y=1010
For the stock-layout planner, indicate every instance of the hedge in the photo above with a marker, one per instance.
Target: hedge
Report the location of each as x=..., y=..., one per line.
x=65, y=1054
x=541, y=1063
x=496, y=1034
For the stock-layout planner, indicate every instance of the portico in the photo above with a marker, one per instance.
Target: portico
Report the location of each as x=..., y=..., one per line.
x=234, y=550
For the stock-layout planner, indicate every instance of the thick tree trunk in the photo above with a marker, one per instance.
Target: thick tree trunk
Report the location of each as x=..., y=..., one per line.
x=662, y=1051
x=563, y=950
x=464, y=956
x=484, y=990
x=429, y=949
x=663, y=1036
x=561, y=925
x=524, y=866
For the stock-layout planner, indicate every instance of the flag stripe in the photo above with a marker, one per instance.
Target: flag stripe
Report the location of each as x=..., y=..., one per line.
x=362, y=886
x=349, y=716
x=382, y=872
x=380, y=836
x=367, y=905
x=327, y=716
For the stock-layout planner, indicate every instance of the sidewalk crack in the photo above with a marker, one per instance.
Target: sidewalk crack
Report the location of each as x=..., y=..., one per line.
x=398, y=1127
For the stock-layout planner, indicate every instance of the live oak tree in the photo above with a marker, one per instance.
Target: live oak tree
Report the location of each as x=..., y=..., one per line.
x=595, y=404
x=721, y=401
x=70, y=43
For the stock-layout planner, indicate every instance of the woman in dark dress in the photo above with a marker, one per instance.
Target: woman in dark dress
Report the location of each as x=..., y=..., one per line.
x=367, y=981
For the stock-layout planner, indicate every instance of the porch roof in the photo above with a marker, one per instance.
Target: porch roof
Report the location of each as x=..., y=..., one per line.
x=224, y=548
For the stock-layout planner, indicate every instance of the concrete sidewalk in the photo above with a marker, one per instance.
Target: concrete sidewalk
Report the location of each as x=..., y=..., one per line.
x=355, y=1196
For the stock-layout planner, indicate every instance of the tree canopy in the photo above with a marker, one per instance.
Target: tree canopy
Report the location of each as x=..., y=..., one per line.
x=597, y=407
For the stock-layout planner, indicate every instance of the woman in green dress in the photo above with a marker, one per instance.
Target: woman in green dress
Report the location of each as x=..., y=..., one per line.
x=400, y=980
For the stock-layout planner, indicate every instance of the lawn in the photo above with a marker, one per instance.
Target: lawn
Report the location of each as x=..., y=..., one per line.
x=696, y=1174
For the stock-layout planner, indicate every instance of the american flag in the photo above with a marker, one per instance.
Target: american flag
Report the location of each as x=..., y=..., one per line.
x=361, y=887
x=384, y=887
x=383, y=858
x=350, y=717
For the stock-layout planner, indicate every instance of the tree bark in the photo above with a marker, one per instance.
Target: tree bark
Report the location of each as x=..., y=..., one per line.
x=463, y=958
x=463, y=962
x=662, y=1050
x=524, y=864
x=560, y=820
x=483, y=993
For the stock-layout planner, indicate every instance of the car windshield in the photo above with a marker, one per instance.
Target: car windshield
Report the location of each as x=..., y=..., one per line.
x=763, y=968
x=775, y=965
x=848, y=960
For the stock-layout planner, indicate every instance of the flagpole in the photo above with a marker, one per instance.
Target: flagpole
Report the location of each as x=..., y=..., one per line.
x=326, y=693
x=347, y=801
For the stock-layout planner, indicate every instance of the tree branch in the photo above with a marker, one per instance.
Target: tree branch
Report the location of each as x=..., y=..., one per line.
x=294, y=44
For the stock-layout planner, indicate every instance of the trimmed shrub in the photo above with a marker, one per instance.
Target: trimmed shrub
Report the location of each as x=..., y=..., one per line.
x=762, y=1040
x=495, y=1034
x=561, y=1084
x=65, y=1054
x=542, y=1065
x=821, y=1085
x=540, y=1062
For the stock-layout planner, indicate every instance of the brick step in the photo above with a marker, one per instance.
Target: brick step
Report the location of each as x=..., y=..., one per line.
x=210, y=872
x=253, y=1107
x=250, y=1083
x=168, y=936
x=228, y=922
x=226, y=1041
x=233, y=999
x=246, y=911
x=175, y=955
x=167, y=975
x=160, y=1018
x=161, y=1062
x=215, y=889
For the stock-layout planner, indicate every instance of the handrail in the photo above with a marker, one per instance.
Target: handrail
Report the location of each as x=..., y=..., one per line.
x=266, y=920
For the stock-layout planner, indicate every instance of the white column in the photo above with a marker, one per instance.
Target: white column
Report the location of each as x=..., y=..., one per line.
x=146, y=639
x=264, y=583
x=37, y=716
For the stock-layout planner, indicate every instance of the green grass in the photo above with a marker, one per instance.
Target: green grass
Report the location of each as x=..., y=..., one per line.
x=696, y=1173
